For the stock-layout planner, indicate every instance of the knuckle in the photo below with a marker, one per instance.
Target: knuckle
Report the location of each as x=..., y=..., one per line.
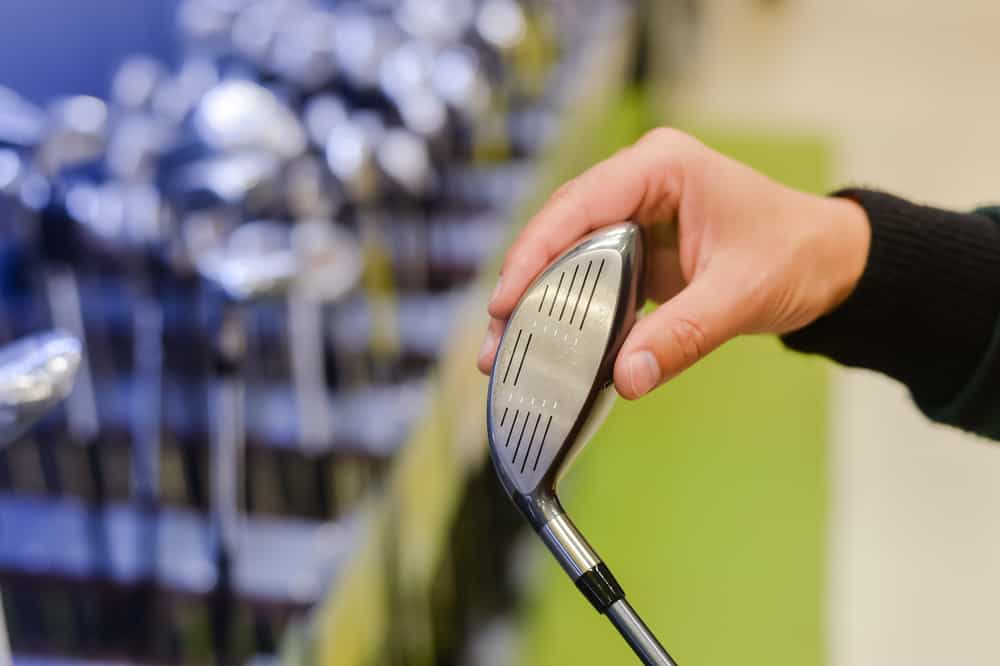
x=689, y=340
x=564, y=191
x=663, y=136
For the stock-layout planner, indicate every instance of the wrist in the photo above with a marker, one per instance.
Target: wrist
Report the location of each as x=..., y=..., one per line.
x=847, y=241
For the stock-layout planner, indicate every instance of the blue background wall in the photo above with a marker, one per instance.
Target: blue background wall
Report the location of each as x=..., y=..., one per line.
x=52, y=47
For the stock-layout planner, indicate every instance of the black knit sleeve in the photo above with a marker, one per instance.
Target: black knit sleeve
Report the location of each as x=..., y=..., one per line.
x=925, y=310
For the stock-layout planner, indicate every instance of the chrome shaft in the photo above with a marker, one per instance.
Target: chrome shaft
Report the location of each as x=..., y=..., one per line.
x=637, y=635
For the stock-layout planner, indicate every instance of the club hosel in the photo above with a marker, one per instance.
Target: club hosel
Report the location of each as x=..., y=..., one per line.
x=581, y=562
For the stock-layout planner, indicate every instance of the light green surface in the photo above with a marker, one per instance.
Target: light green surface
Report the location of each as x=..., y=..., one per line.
x=708, y=498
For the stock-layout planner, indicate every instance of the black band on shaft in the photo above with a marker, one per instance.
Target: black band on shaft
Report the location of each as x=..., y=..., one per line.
x=600, y=587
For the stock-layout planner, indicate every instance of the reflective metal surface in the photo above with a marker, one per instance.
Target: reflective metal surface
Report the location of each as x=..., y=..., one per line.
x=238, y=114
x=547, y=393
x=554, y=359
x=35, y=374
x=574, y=553
x=637, y=634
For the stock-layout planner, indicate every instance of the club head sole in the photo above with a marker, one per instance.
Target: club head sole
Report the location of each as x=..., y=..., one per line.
x=556, y=357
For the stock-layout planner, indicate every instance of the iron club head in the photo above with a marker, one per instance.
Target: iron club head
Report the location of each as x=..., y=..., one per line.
x=555, y=361
x=238, y=114
x=35, y=374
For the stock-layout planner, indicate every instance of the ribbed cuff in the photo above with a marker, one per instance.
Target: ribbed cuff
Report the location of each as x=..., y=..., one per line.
x=926, y=305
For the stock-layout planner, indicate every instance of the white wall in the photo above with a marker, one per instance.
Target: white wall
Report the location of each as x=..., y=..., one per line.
x=910, y=94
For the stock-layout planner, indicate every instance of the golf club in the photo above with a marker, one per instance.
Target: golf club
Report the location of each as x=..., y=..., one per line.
x=328, y=269
x=351, y=156
x=541, y=410
x=36, y=373
x=253, y=262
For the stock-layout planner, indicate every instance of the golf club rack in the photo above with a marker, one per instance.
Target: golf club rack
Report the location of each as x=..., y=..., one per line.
x=265, y=251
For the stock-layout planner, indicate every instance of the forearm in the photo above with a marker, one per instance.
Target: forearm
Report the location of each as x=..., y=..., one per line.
x=925, y=309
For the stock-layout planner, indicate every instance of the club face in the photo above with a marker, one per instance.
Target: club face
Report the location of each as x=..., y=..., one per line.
x=35, y=374
x=554, y=360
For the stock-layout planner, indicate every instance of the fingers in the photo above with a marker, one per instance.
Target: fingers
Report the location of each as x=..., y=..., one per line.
x=489, y=349
x=677, y=334
x=635, y=183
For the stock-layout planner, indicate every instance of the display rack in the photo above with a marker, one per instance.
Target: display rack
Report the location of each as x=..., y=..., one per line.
x=409, y=523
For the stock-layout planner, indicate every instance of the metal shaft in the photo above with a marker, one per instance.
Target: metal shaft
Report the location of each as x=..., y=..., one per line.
x=5, y=653
x=637, y=634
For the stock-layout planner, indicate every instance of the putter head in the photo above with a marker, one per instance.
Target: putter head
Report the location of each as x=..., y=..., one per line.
x=555, y=361
x=35, y=374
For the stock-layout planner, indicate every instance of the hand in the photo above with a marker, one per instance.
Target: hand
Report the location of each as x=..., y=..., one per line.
x=728, y=252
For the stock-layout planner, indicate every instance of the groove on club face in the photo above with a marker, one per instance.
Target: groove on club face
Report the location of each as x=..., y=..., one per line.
x=556, y=355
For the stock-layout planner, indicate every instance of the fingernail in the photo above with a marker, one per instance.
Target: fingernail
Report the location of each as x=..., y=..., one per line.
x=489, y=342
x=496, y=289
x=643, y=372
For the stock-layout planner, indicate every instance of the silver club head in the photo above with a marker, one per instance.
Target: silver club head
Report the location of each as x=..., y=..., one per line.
x=35, y=374
x=405, y=159
x=459, y=79
x=76, y=132
x=250, y=263
x=135, y=82
x=239, y=114
x=321, y=114
x=547, y=388
x=265, y=259
x=555, y=361
x=22, y=124
x=233, y=179
x=501, y=23
x=361, y=41
x=350, y=154
x=302, y=51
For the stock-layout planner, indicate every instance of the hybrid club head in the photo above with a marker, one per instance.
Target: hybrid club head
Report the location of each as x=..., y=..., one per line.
x=549, y=390
x=35, y=374
x=555, y=361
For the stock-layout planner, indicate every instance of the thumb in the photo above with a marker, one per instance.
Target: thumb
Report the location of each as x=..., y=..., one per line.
x=678, y=333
